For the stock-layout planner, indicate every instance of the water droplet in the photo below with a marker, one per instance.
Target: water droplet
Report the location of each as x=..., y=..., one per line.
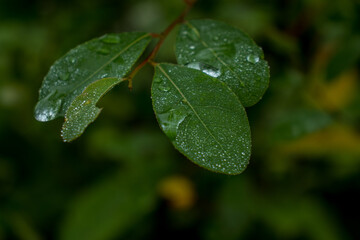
x=64, y=76
x=164, y=88
x=204, y=54
x=252, y=58
x=205, y=68
x=158, y=80
x=192, y=47
x=171, y=120
x=103, y=50
x=112, y=39
x=48, y=108
x=211, y=71
x=194, y=65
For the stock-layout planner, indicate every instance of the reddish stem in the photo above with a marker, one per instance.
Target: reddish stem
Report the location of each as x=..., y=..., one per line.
x=162, y=36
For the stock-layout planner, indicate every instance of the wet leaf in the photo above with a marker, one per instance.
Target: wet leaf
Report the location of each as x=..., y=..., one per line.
x=203, y=118
x=83, y=110
x=111, y=55
x=230, y=52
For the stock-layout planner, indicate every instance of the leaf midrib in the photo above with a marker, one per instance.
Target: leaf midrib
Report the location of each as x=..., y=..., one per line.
x=193, y=109
x=111, y=60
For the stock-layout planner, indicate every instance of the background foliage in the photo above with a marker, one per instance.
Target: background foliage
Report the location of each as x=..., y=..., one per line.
x=123, y=180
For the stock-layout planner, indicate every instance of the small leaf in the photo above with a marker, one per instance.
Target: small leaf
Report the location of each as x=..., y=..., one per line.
x=203, y=118
x=296, y=123
x=239, y=61
x=109, y=208
x=110, y=56
x=83, y=111
x=346, y=56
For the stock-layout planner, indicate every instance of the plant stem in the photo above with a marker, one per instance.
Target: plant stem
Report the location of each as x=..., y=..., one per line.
x=162, y=36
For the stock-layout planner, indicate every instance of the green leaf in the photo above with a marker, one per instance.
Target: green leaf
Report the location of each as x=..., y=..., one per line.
x=228, y=54
x=83, y=110
x=111, y=55
x=109, y=208
x=296, y=123
x=203, y=118
x=345, y=57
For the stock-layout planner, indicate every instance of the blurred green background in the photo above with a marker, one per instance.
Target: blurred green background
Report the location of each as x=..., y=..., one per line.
x=123, y=179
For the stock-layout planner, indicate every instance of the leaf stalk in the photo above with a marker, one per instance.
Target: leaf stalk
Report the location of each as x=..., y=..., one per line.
x=162, y=36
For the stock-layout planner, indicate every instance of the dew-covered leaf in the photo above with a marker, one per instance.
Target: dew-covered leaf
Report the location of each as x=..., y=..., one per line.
x=203, y=118
x=83, y=110
x=228, y=54
x=111, y=55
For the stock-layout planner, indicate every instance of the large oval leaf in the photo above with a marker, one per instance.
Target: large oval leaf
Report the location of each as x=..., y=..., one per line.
x=228, y=53
x=111, y=55
x=203, y=118
x=83, y=110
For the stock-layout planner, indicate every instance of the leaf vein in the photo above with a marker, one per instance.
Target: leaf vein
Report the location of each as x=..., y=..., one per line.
x=112, y=59
x=193, y=109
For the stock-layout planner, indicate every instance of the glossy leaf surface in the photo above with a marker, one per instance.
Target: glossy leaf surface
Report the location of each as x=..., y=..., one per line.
x=203, y=118
x=228, y=53
x=111, y=55
x=83, y=110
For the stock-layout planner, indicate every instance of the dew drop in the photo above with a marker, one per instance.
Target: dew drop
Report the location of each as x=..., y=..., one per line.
x=164, y=88
x=194, y=65
x=204, y=54
x=48, y=108
x=158, y=80
x=171, y=120
x=205, y=68
x=112, y=39
x=213, y=72
x=252, y=58
x=103, y=51
x=64, y=76
x=192, y=47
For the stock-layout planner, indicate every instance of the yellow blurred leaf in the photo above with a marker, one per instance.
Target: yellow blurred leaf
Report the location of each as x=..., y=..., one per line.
x=178, y=191
x=335, y=139
x=335, y=95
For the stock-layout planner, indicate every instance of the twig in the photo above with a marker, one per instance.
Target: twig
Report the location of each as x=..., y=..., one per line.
x=162, y=36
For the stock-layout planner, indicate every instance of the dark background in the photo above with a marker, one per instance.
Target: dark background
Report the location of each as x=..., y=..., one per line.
x=123, y=179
